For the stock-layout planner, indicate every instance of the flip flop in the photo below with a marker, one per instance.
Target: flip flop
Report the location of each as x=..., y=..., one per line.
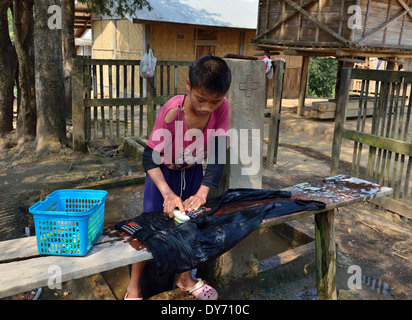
x=126, y=297
x=202, y=291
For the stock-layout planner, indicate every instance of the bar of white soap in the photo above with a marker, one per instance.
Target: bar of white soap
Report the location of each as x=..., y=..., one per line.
x=182, y=217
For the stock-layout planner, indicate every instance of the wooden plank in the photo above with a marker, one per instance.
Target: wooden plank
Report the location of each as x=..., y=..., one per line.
x=88, y=94
x=109, y=61
x=132, y=106
x=161, y=81
x=394, y=205
x=331, y=114
x=160, y=100
x=117, y=111
x=341, y=12
x=125, y=118
x=174, y=63
x=175, y=80
x=348, y=191
x=378, y=75
x=150, y=106
x=294, y=43
x=319, y=16
x=110, y=70
x=141, y=108
x=17, y=249
x=325, y=106
x=406, y=7
x=103, y=122
x=376, y=141
x=407, y=178
x=133, y=179
x=26, y=248
x=20, y=276
x=95, y=124
x=267, y=13
x=168, y=79
x=114, y=102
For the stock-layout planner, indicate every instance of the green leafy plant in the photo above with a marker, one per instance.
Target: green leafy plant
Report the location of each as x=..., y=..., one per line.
x=322, y=76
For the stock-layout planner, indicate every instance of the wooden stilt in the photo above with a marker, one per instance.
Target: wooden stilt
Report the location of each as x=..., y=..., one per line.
x=303, y=84
x=325, y=251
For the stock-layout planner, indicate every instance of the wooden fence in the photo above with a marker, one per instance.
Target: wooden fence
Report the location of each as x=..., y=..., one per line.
x=382, y=150
x=111, y=101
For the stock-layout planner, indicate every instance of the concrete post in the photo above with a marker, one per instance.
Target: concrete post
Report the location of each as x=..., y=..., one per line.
x=246, y=122
x=244, y=160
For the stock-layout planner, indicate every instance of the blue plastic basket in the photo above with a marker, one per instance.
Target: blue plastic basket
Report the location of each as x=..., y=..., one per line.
x=68, y=222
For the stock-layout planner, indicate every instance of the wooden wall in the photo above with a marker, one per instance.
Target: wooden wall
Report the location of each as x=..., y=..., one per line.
x=376, y=12
x=121, y=41
x=300, y=29
x=103, y=39
x=384, y=27
x=169, y=42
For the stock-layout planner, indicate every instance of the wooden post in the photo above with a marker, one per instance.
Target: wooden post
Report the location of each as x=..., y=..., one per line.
x=79, y=135
x=303, y=84
x=342, y=63
x=338, y=74
x=340, y=116
x=325, y=252
x=273, y=143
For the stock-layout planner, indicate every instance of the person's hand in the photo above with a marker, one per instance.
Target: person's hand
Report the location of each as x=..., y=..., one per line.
x=194, y=202
x=172, y=202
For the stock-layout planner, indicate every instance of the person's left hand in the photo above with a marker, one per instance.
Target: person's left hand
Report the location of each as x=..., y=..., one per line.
x=194, y=202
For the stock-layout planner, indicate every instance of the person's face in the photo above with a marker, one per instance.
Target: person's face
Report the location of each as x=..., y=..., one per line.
x=202, y=102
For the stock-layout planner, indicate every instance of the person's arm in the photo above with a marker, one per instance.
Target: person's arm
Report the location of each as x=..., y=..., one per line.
x=197, y=200
x=148, y=157
x=212, y=176
x=170, y=200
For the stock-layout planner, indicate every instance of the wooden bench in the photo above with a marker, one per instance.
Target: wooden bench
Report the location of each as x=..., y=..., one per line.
x=22, y=268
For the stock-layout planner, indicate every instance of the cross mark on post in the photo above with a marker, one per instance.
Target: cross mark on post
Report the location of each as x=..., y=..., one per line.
x=248, y=86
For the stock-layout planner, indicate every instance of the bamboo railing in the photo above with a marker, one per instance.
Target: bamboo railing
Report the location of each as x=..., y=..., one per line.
x=382, y=151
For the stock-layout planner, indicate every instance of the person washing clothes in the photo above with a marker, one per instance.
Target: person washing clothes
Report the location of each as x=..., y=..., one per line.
x=188, y=129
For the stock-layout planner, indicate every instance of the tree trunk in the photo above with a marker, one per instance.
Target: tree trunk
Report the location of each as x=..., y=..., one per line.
x=8, y=68
x=51, y=126
x=69, y=51
x=23, y=22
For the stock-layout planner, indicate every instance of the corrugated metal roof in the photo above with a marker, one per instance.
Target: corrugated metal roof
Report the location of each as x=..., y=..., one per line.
x=221, y=13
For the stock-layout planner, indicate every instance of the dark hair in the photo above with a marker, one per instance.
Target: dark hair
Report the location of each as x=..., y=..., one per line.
x=211, y=74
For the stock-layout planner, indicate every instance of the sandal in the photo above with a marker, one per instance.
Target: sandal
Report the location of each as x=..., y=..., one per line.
x=126, y=297
x=202, y=291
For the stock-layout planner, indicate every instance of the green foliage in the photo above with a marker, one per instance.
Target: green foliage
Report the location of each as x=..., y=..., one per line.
x=119, y=7
x=10, y=21
x=322, y=77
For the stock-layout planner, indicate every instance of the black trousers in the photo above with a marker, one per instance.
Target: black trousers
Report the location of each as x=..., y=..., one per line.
x=180, y=247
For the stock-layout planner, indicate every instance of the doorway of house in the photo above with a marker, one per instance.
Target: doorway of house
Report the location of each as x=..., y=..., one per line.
x=206, y=41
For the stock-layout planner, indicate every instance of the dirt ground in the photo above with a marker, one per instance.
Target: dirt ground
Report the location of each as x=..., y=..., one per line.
x=376, y=240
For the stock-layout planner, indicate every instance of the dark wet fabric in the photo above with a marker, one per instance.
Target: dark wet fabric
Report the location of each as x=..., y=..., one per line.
x=181, y=247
